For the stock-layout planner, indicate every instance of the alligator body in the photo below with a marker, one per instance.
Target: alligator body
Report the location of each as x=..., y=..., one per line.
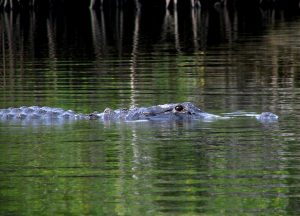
x=166, y=112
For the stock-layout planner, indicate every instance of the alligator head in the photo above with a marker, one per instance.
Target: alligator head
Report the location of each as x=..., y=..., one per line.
x=165, y=112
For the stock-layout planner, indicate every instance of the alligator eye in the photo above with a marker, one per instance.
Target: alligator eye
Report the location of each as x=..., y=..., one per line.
x=179, y=108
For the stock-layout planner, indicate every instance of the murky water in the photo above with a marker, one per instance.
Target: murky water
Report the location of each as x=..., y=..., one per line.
x=236, y=166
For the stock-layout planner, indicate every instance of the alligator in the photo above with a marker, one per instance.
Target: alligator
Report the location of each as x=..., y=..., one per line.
x=167, y=112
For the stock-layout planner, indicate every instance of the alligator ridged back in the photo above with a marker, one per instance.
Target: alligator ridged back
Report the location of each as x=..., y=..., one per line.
x=36, y=112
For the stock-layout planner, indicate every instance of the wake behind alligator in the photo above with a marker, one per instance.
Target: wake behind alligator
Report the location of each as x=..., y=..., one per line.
x=167, y=112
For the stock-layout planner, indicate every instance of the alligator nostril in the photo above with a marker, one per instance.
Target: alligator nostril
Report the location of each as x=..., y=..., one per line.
x=179, y=108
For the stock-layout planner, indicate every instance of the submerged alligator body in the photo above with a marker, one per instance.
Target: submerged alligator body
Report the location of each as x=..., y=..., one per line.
x=166, y=112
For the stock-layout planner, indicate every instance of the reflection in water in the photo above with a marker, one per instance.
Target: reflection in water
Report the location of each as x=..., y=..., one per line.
x=118, y=27
x=89, y=168
x=98, y=34
x=132, y=42
x=134, y=55
x=137, y=37
x=222, y=60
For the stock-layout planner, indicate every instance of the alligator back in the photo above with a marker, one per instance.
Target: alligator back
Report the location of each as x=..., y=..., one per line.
x=41, y=113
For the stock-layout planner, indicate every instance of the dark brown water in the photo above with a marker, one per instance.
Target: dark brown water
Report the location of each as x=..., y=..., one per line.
x=220, y=61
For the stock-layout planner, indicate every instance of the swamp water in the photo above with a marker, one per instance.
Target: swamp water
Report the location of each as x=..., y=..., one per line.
x=220, y=62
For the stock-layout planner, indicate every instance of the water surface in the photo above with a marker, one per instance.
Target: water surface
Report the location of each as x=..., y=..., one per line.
x=236, y=166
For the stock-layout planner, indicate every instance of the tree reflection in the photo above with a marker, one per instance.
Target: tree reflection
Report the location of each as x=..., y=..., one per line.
x=129, y=35
x=188, y=28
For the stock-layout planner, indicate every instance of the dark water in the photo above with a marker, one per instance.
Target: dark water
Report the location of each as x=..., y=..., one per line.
x=222, y=61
